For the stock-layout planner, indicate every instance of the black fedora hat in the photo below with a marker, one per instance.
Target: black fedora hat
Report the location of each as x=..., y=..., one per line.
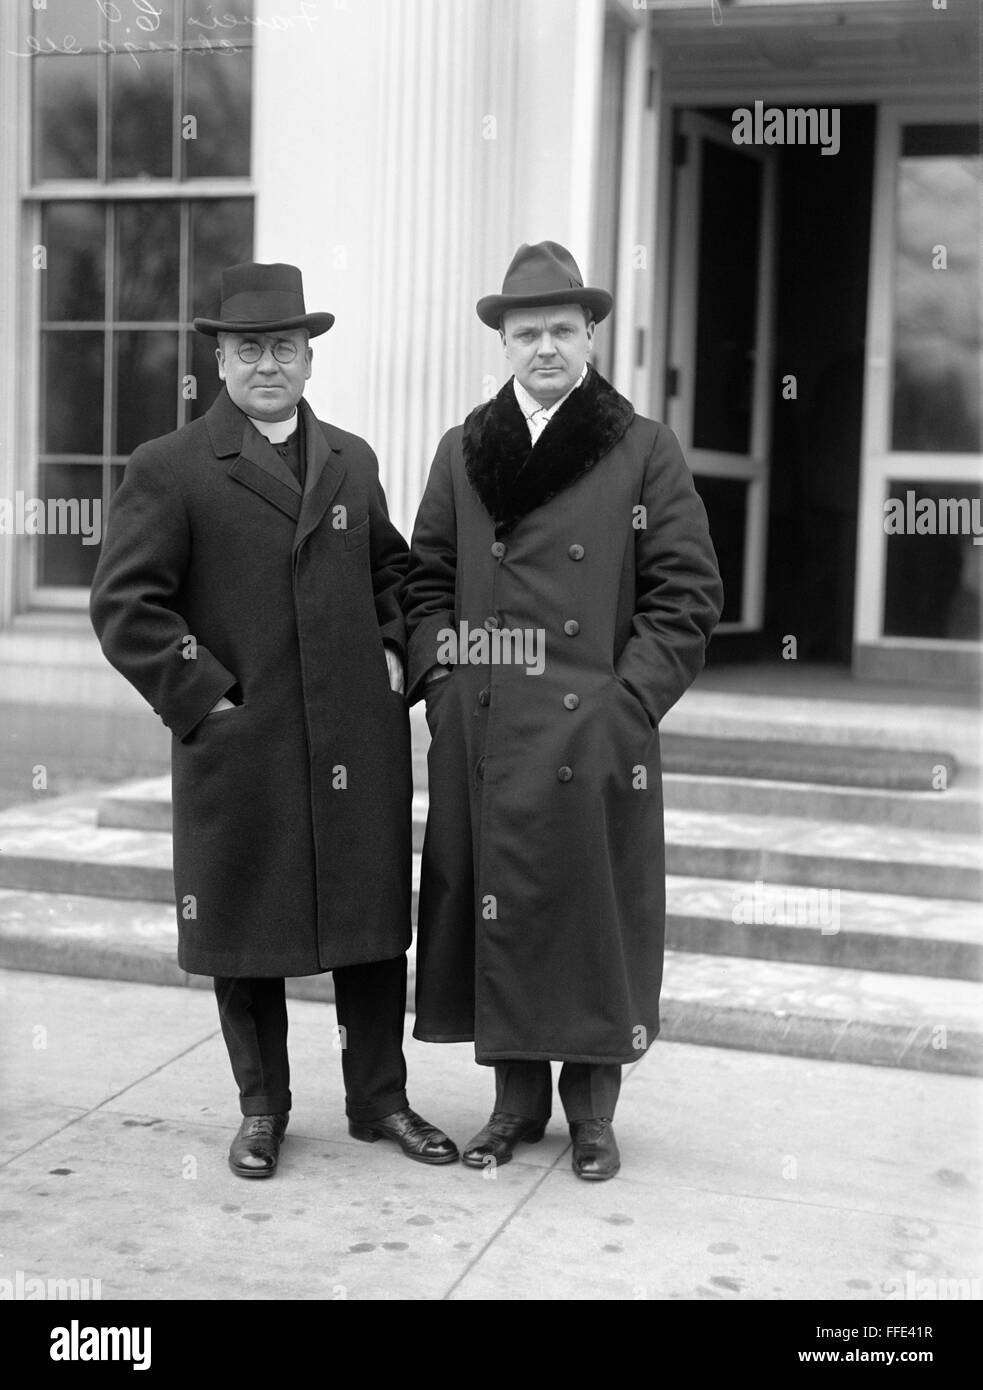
x=545, y=273
x=261, y=298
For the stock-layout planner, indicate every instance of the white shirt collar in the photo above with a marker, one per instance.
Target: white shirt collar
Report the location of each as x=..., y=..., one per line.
x=276, y=431
x=530, y=407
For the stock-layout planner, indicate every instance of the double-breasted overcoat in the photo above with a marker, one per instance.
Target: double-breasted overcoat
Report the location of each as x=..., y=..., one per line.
x=542, y=895
x=220, y=576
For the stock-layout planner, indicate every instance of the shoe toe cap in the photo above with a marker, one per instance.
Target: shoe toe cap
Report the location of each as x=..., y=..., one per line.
x=439, y=1146
x=477, y=1155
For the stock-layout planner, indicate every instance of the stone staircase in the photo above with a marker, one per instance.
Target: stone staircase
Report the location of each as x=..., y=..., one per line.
x=832, y=911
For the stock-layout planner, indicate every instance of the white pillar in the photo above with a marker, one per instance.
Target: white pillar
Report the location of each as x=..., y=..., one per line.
x=638, y=223
x=393, y=191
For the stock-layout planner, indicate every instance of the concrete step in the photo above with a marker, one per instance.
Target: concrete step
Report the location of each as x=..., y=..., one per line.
x=824, y=854
x=804, y=715
x=146, y=804
x=820, y=1011
x=88, y=859
x=108, y=939
x=72, y=854
x=804, y=760
x=866, y=931
x=879, y=930
x=780, y=922
x=957, y=810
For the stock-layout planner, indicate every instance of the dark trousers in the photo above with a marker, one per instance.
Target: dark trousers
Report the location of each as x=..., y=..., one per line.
x=371, y=1005
x=588, y=1091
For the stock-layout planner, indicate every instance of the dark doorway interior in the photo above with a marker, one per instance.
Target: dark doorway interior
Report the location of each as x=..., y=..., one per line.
x=820, y=326
x=823, y=246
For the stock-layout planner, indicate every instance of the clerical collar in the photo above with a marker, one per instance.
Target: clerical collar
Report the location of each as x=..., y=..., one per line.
x=276, y=431
x=530, y=406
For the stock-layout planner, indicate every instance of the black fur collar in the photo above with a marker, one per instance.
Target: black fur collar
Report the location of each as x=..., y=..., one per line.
x=512, y=478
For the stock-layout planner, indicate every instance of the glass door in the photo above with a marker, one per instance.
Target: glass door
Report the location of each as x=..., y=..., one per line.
x=919, y=611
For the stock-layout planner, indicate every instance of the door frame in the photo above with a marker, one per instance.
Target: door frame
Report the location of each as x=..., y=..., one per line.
x=641, y=351
x=753, y=468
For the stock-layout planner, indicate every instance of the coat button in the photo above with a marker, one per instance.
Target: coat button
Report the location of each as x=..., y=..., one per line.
x=565, y=774
x=491, y=624
x=571, y=701
x=571, y=627
x=484, y=699
x=576, y=552
x=498, y=549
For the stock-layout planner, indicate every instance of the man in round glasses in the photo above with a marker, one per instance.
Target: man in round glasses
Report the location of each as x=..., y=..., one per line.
x=265, y=374
x=248, y=587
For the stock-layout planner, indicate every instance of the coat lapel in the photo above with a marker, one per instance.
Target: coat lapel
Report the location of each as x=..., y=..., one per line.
x=259, y=467
x=325, y=472
x=511, y=477
x=255, y=465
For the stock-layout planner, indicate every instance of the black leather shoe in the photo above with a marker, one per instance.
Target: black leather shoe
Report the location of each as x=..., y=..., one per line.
x=256, y=1148
x=495, y=1143
x=410, y=1131
x=595, y=1154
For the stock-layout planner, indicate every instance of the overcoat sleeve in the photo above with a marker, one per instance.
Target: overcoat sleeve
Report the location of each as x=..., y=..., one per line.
x=678, y=593
x=429, y=589
x=134, y=599
x=389, y=558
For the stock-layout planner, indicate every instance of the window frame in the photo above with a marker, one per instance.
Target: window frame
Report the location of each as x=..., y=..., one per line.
x=36, y=194
x=881, y=465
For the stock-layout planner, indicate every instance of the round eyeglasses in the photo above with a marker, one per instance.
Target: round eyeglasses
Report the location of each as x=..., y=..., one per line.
x=283, y=351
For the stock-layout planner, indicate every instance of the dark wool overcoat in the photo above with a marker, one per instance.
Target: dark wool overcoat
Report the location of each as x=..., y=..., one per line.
x=218, y=576
x=542, y=895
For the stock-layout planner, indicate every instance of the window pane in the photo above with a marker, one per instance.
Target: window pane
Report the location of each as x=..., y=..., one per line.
x=70, y=559
x=221, y=235
x=148, y=259
x=74, y=282
x=61, y=20
x=141, y=115
x=73, y=378
x=934, y=581
x=726, y=502
x=727, y=300
x=201, y=356
x=940, y=139
x=208, y=20
x=65, y=117
x=149, y=21
x=146, y=387
x=218, y=90
x=937, y=338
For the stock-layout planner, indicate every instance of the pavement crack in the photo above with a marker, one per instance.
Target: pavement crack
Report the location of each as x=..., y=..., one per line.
x=504, y=1225
x=94, y=1109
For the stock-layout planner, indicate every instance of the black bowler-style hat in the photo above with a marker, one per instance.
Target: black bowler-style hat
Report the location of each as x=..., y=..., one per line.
x=545, y=273
x=261, y=298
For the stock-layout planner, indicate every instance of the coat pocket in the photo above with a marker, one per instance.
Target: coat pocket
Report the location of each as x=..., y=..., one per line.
x=357, y=535
x=636, y=703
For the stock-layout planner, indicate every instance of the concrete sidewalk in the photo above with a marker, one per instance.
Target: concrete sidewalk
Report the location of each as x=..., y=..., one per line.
x=745, y=1176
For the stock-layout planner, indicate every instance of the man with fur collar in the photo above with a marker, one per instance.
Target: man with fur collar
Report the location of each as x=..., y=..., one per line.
x=554, y=519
